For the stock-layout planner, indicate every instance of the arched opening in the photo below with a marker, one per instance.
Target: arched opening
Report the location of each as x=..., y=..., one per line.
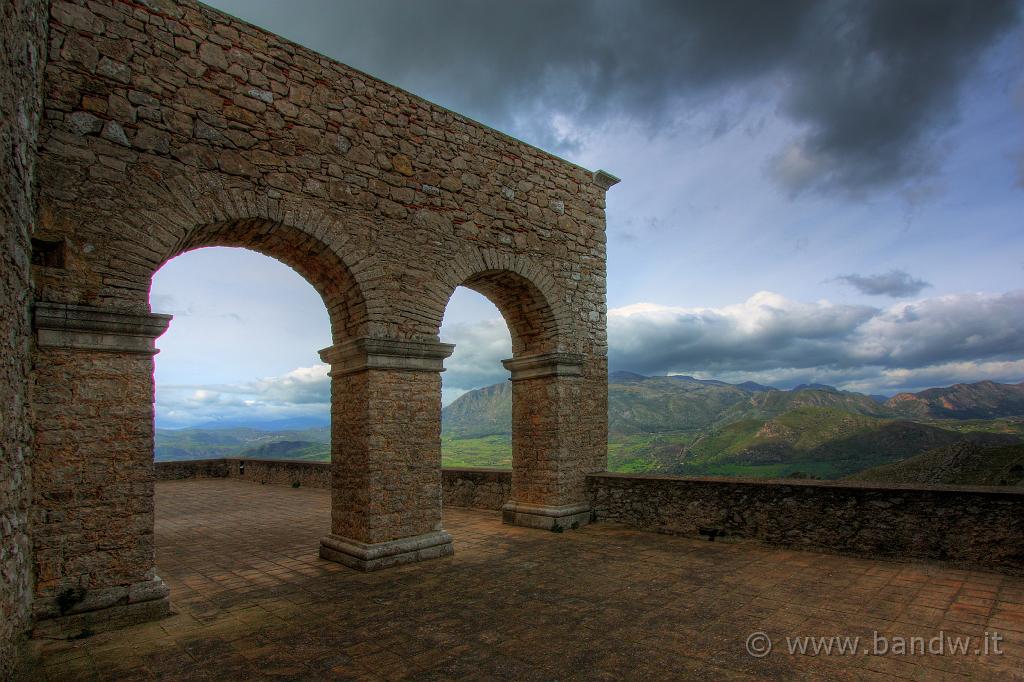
x=547, y=475
x=476, y=395
x=242, y=439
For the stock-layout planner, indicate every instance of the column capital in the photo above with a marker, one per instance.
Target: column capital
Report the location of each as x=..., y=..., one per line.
x=86, y=327
x=545, y=365
x=366, y=353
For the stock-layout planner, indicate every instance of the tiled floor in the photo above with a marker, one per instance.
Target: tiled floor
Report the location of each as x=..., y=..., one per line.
x=253, y=602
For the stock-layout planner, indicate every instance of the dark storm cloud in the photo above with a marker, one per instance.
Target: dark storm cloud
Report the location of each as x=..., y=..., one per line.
x=869, y=83
x=895, y=283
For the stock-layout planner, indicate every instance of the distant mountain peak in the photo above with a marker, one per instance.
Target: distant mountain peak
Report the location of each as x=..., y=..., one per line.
x=623, y=375
x=815, y=387
x=755, y=387
x=980, y=400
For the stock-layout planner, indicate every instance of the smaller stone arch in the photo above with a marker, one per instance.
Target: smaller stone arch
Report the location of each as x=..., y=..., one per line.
x=522, y=290
x=548, y=385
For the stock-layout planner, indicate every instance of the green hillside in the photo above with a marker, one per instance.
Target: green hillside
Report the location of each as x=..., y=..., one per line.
x=824, y=442
x=962, y=463
x=644, y=405
x=761, y=406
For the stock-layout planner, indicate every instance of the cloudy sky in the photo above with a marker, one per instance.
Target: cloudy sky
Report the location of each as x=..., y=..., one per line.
x=821, y=191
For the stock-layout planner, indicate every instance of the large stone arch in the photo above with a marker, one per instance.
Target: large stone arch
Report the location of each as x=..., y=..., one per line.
x=383, y=201
x=385, y=394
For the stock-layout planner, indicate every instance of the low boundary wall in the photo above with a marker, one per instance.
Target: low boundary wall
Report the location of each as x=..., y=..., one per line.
x=966, y=526
x=475, y=488
x=972, y=527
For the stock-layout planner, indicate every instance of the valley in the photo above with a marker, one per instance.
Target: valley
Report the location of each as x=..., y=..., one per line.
x=685, y=426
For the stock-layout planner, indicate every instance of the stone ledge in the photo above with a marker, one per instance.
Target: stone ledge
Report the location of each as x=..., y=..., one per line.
x=372, y=557
x=605, y=180
x=81, y=327
x=366, y=353
x=564, y=517
x=545, y=365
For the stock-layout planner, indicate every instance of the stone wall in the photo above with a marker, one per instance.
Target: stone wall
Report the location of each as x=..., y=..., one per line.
x=974, y=527
x=23, y=36
x=193, y=468
x=460, y=487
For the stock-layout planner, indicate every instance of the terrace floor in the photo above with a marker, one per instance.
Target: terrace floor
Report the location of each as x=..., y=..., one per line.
x=252, y=601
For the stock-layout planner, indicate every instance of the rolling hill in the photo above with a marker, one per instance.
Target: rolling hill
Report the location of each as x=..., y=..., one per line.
x=826, y=442
x=981, y=400
x=210, y=443
x=962, y=463
x=639, y=405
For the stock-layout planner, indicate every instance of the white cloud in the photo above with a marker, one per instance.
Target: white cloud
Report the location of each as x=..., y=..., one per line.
x=479, y=349
x=302, y=392
x=772, y=339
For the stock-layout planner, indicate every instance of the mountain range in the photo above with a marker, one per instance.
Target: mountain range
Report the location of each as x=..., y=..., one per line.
x=683, y=425
x=641, y=404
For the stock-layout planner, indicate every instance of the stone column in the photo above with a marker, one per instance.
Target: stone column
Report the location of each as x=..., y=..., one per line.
x=548, y=469
x=385, y=453
x=92, y=398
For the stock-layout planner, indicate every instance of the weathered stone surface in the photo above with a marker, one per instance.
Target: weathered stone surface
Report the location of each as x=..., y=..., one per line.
x=84, y=123
x=23, y=36
x=216, y=133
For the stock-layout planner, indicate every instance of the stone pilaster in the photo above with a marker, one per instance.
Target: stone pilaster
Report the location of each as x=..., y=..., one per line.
x=93, y=468
x=386, y=453
x=548, y=478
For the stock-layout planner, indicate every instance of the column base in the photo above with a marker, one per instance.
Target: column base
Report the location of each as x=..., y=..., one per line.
x=564, y=517
x=105, y=609
x=373, y=557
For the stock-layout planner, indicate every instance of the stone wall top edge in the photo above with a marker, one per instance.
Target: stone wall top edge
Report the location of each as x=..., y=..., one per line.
x=596, y=174
x=1015, y=493
x=179, y=462
x=476, y=470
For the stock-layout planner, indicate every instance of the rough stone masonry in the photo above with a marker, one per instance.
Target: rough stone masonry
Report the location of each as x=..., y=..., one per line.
x=168, y=126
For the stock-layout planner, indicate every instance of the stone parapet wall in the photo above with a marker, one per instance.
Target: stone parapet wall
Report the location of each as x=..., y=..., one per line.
x=193, y=468
x=476, y=488
x=472, y=488
x=23, y=37
x=971, y=527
